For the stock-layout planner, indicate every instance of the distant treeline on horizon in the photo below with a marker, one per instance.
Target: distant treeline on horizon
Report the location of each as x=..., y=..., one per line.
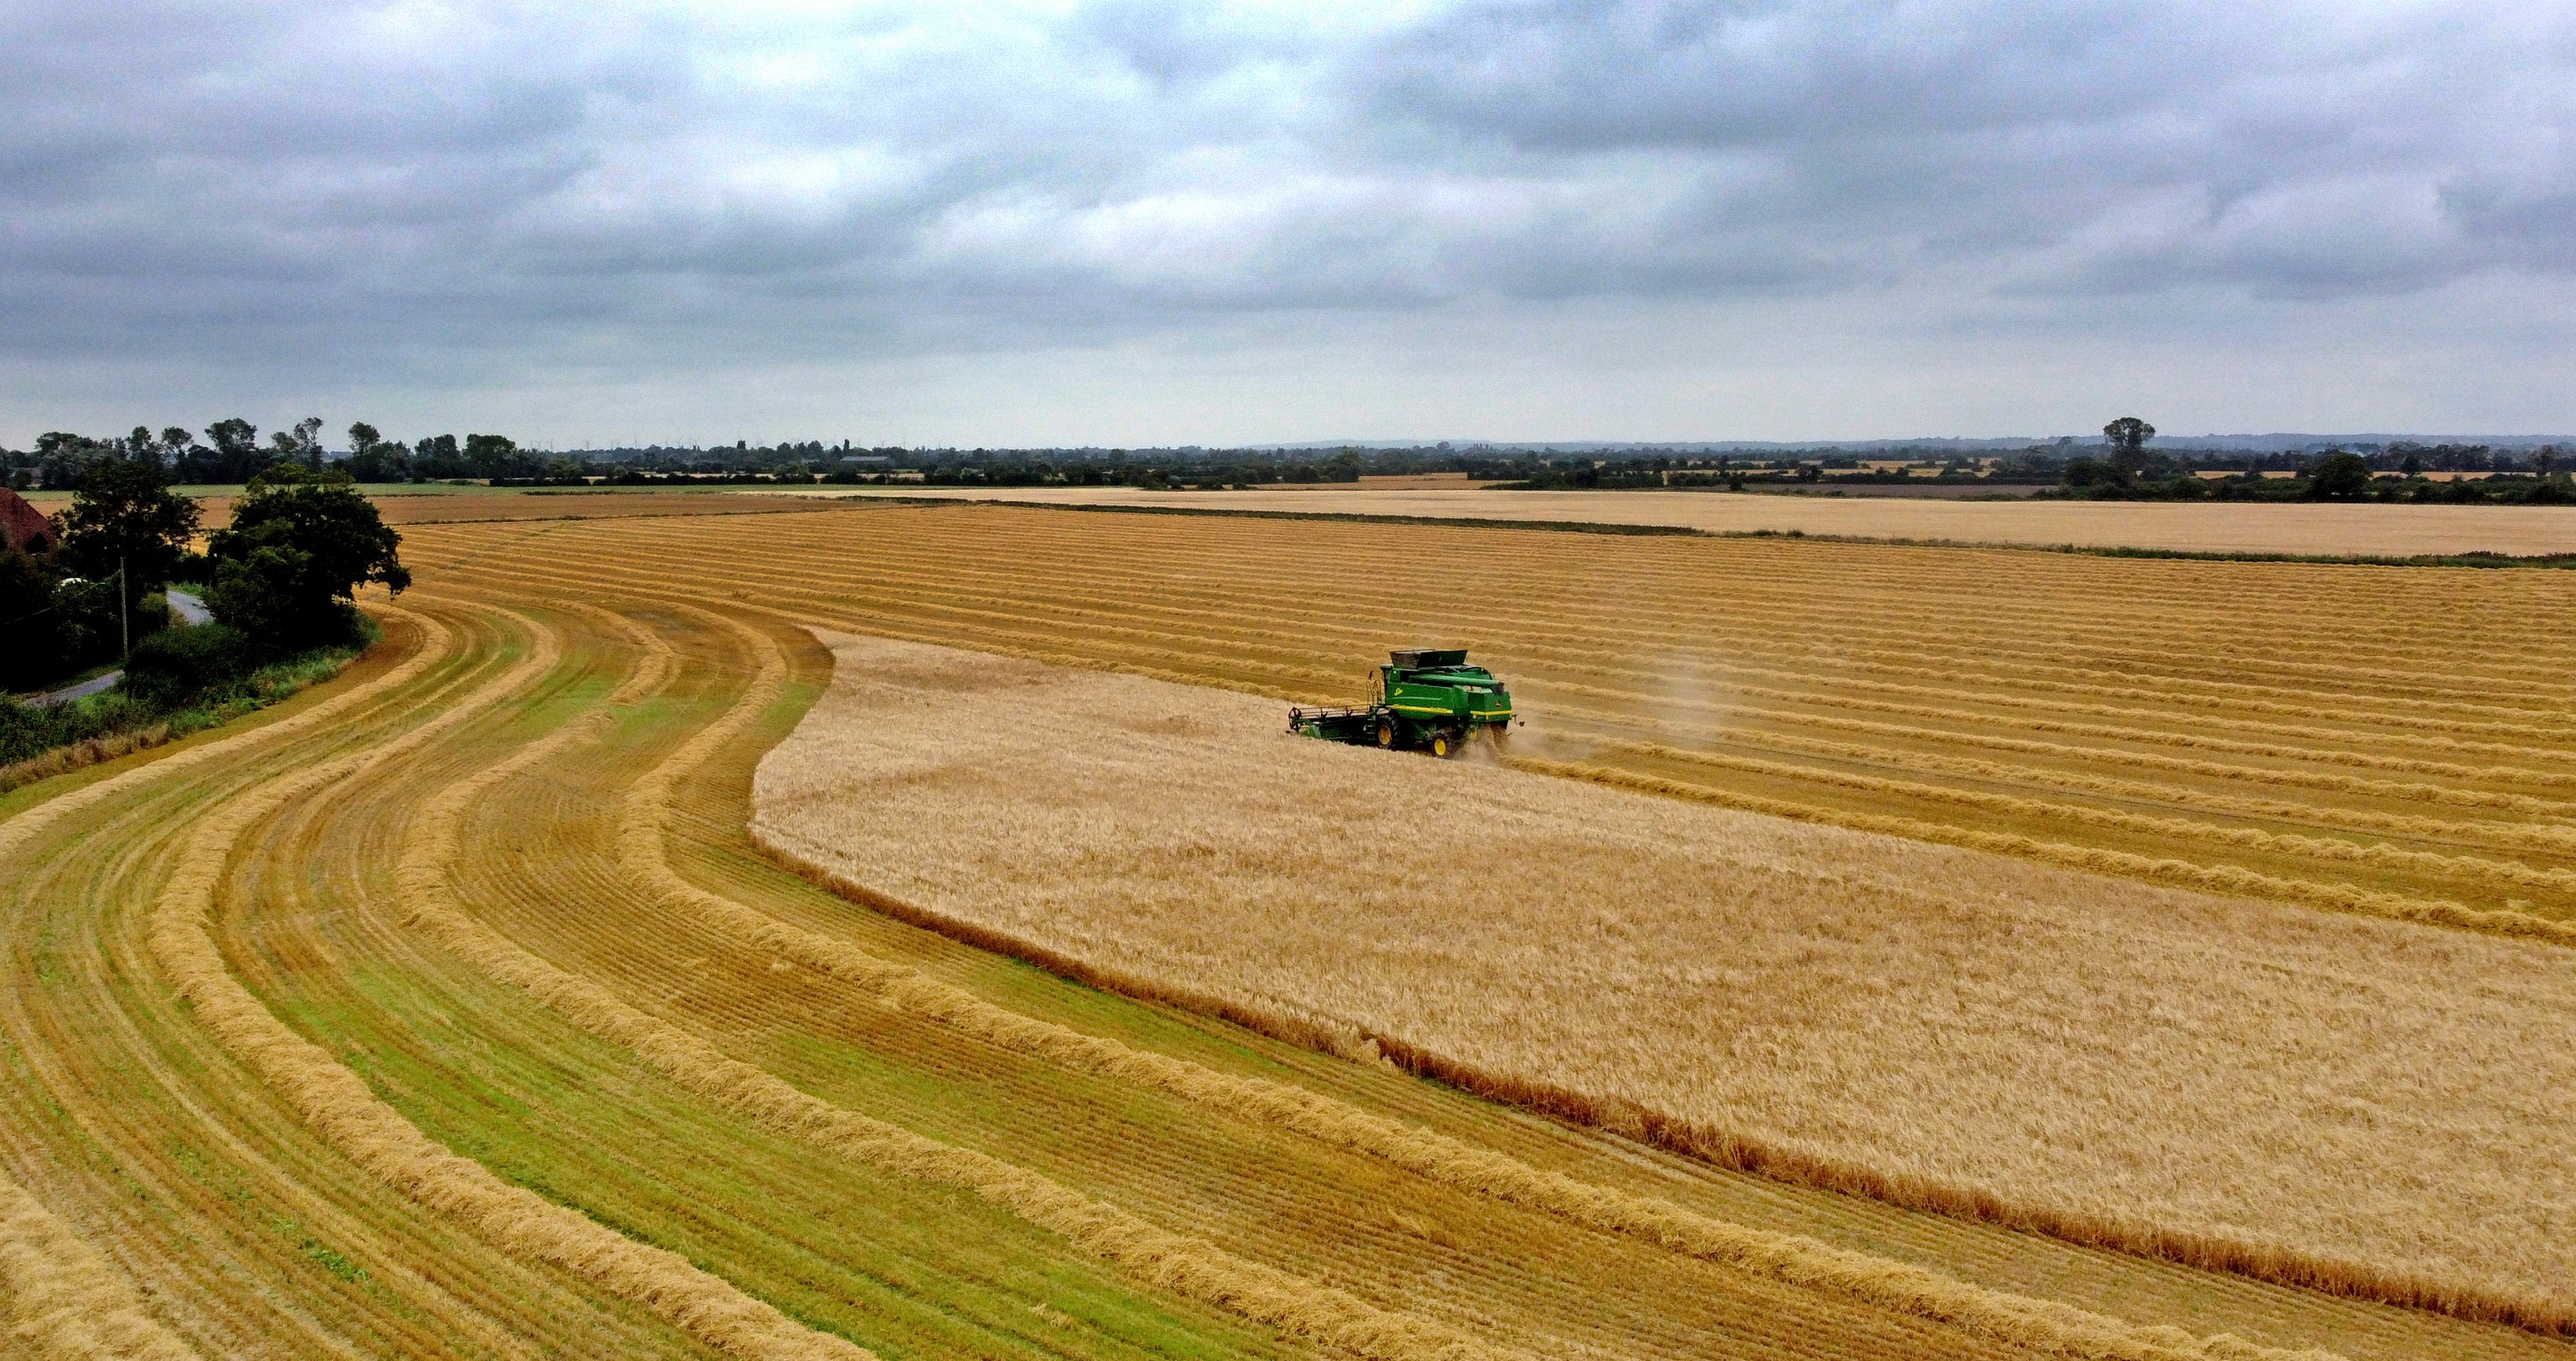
x=231, y=452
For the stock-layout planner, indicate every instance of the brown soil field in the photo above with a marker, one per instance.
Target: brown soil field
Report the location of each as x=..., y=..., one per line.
x=2319, y=530
x=1965, y=1028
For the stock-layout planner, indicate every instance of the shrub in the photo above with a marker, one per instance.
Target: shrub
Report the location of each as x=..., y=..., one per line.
x=169, y=667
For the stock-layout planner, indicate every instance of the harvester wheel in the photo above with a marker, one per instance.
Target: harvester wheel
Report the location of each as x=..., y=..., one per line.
x=1386, y=733
x=1443, y=746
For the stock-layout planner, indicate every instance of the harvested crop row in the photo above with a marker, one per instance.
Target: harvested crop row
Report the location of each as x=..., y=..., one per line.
x=1164, y=1260
x=60, y=1299
x=338, y=1105
x=1845, y=593
x=2318, y=895
x=205, y=1188
x=2042, y=1325
x=1093, y=603
x=299, y=917
x=1252, y=610
x=2300, y=529
x=1854, y=1002
x=2224, y=877
x=1176, y=591
x=637, y=920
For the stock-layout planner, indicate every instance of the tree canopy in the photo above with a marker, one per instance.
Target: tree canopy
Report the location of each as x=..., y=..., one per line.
x=124, y=513
x=299, y=546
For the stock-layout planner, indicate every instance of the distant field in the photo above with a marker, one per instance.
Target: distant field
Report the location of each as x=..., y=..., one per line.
x=1930, y=514
x=2150, y=1067
x=2399, y=742
x=2390, y=531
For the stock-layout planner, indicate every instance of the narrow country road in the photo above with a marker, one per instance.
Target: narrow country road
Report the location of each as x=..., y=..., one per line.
x=72, y=692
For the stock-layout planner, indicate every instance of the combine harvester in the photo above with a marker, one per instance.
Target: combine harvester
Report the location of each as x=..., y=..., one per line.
x=1426, y=700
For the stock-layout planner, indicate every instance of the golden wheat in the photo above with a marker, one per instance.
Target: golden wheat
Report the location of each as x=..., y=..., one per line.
x=2314, y=698
x=2149, y=1062
x=2328, y=530
x=2043, y=1325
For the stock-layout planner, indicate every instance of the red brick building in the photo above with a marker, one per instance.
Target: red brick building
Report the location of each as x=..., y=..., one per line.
x=24, y=526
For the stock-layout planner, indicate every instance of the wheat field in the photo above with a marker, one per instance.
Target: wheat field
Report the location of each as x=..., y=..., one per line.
x=2279, y=1086
x=2382, y=741
x=447, y=1009
x=2298, y=530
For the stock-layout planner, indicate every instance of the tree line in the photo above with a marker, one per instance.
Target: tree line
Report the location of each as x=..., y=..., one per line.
x=232, y=453
x=2130, y=471
x=280, y=580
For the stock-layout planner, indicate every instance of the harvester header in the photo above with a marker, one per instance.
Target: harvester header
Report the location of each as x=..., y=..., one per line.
x=1427, y=699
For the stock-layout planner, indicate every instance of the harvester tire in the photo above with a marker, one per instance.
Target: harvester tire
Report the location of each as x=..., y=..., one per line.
x=1443, y=746
x=1386, y=733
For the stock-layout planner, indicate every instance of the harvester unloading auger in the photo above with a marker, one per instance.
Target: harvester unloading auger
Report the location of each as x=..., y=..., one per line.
x=1426, y=700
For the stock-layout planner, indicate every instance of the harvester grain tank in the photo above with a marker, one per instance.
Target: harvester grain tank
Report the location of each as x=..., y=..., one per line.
x=1427, y=699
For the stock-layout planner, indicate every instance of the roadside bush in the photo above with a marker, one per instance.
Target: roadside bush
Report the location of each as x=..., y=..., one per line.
x=87, y=631
x=169, y=667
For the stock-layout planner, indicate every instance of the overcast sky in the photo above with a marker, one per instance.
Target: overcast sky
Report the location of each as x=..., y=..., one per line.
x=1132, y=223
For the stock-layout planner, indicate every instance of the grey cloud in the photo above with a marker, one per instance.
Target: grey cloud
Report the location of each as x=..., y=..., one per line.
x=324, y=186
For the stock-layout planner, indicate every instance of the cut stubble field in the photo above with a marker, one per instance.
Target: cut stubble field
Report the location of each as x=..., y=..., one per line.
x=2391, y=742
x=2292, y=529
x=448, y=1009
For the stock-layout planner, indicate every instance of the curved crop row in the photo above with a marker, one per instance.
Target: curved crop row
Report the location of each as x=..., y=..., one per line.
x=341, y=1108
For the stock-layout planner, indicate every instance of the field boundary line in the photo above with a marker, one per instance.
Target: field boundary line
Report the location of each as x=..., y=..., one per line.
x=339, y=1106
x=1185, y=1265
x=62, y=1298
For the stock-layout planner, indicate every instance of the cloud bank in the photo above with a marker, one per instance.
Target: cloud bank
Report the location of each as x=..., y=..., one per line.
x=1130, y=221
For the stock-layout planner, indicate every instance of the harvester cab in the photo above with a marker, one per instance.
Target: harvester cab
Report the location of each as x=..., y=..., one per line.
x=1426, y=699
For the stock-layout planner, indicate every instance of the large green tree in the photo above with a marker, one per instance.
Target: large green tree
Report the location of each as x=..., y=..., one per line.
x=299, y=546
x=2128, y=438
x=124, y=514
x=2339, y=474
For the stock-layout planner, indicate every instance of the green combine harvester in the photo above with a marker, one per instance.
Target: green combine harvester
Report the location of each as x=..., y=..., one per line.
x=1426, y=700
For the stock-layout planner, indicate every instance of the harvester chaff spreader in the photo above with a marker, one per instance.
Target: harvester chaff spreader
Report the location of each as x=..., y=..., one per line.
x=1425, y=700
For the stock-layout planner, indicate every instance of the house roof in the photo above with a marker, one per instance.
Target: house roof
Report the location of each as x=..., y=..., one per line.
x=24, y=526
